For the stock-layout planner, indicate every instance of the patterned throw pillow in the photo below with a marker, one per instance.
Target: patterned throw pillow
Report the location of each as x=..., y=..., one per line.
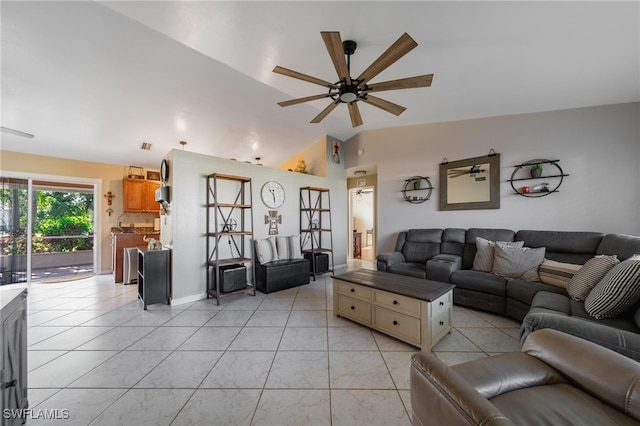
x=589, y=275
x=517, y=262
x=617, y=291
x=266, y=250
x=289, y=247
x=484, y=253
x=557, y=273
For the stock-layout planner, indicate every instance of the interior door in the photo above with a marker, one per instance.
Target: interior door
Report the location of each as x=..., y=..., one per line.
x=14, y=363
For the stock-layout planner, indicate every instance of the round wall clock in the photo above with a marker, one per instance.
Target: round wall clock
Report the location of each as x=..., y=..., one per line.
x=164, y=171
x=272, y=194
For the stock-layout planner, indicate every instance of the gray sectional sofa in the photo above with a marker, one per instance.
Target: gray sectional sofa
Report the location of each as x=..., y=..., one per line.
x=447, y=255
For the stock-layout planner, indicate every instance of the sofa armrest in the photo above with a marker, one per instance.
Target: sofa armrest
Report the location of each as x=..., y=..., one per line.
x=440, y=396
x=508, y=372
x=440, y=266
x=622, y=341
x=386, y=260
x=607, y=375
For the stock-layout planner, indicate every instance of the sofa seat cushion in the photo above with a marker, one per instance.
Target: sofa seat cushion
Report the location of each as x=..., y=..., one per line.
x=559, y=304
x=524, y=291
x=409, y=269
x=482, y=282
x=563, y=404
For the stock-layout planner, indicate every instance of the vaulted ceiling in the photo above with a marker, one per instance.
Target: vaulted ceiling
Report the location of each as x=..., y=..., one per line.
x=93, y=80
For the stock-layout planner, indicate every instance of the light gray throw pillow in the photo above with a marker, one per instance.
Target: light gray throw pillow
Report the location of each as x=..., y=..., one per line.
x=517, y=262
x=266, y=250
x=483, y=261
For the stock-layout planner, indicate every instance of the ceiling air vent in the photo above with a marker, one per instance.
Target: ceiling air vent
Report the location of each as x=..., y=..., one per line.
x=146, y=146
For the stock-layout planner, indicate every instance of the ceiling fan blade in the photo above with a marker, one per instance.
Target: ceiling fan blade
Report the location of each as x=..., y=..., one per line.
x=16, y=132
x=325, y=112
x=301, y=100
x=394, y=109
x=303, y=77
x=334, y=46
x=397, y=50
x=354, y=113
x=403, y=83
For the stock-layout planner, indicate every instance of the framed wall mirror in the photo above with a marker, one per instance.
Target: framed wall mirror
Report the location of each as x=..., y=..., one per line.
x=470, y=184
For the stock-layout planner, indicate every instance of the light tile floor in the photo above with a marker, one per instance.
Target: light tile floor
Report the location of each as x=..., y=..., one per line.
x=277, y=359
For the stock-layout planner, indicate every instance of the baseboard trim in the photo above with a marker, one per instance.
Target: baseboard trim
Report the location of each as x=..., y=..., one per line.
x=188, y=299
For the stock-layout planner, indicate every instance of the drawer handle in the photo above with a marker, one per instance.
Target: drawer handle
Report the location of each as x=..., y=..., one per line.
x=353, y=308
x=395, y=302
x=441, y=323
x=441, y=303
x=395, y=322
x=353, y=290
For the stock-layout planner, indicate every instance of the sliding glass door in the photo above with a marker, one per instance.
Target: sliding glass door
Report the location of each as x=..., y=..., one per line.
x=14, y=222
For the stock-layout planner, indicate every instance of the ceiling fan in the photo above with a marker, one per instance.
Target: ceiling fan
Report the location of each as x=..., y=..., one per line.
x=350, y=90
x=472, y=171
x=14, y=132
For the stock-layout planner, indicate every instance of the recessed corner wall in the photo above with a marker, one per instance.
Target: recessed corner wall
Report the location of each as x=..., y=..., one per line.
x=599, y=147
x=188, y=214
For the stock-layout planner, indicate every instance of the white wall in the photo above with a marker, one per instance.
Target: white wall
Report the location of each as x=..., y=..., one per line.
x=599, y=147
x=188, y=173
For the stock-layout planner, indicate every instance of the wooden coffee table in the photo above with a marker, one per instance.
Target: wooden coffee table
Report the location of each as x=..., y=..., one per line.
x=413, y=310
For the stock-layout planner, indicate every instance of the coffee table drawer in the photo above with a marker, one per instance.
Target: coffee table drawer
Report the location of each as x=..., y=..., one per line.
x=439, y=326
x=354, y=290
x=395, y=302
x=441, y=304
x=396, y=324
x=355, y=309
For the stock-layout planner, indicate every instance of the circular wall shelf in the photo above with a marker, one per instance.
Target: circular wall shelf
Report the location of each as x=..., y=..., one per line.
x=417, y=189
x=556, y=175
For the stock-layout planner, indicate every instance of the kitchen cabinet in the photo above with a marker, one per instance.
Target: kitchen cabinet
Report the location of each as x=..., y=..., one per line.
x=13, y=355
x=120, y=241
x=139, y=196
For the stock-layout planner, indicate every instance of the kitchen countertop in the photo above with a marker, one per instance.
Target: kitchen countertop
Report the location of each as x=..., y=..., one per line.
x=134, y=231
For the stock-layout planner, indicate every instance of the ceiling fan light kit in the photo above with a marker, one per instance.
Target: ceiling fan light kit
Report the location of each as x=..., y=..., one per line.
x=349, y=90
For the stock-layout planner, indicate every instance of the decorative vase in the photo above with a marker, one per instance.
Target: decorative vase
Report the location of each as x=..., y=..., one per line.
x=536, y=173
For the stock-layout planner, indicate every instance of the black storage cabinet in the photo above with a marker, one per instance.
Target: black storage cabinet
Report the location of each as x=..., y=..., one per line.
x=322, y=262
x=232, y=277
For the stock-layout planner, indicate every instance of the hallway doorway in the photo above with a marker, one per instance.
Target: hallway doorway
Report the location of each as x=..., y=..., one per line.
x=362, y=223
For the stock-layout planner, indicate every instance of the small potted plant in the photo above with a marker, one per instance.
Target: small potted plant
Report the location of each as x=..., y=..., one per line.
x=301, y=167
x=417, y=183
x=536, y=170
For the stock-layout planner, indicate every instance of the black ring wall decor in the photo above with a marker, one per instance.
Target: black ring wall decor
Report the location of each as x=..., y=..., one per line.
x=419, y=189
x=556, y=173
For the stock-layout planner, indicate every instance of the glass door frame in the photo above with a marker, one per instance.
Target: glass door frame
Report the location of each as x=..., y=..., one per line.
x=97, y=210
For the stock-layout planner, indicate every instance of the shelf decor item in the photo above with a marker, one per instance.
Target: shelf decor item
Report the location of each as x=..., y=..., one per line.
x=536, y=170
x=555, y=176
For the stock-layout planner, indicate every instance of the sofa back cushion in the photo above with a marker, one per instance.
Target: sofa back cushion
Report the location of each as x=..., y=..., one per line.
x=624, y=246
x=453, y=241
x=488, y=234
x=422, y=244
x=563, y=246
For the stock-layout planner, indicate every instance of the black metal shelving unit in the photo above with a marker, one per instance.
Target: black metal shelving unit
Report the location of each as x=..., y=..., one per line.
x=230, y=218
x=316, y=237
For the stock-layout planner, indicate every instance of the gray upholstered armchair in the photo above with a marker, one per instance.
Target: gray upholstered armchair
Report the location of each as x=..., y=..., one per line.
x=556, y=379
